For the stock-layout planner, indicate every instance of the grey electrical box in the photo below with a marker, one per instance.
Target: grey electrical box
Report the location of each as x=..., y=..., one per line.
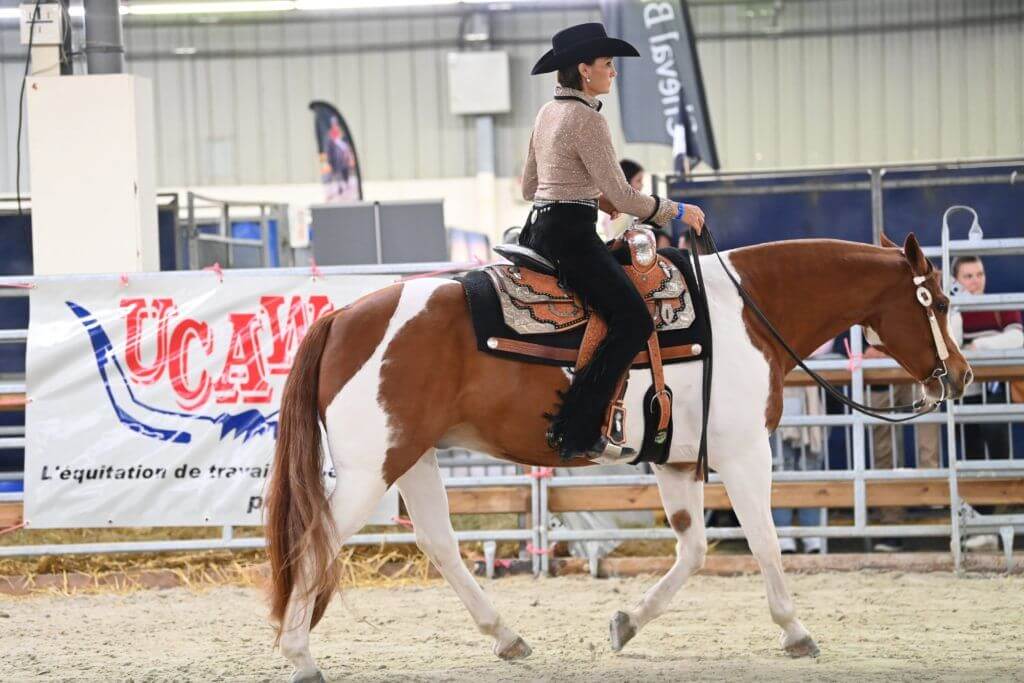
x=478, y=83
x=379, y=232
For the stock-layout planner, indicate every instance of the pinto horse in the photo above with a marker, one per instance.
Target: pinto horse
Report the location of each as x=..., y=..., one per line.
x=398, y=373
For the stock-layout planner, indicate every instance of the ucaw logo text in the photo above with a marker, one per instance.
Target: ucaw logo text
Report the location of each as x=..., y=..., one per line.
x=262, y=344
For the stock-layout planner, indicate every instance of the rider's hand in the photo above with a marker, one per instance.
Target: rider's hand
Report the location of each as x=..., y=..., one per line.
x=607, y=206
x=693, y=216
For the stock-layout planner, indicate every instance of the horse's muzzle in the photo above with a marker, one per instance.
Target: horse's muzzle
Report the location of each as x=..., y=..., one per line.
x=950, y=387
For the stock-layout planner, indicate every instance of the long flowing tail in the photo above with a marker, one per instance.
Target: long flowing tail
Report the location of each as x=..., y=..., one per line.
x=300, y=535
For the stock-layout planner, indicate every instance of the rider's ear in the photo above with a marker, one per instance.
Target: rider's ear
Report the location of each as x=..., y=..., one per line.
x=886, y=242
x=915, y=257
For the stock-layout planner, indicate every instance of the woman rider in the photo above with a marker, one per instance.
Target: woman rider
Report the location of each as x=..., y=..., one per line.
x=571, y=170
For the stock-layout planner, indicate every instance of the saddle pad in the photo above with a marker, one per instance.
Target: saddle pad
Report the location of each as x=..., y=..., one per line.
x=535, y=303
x=488, y=320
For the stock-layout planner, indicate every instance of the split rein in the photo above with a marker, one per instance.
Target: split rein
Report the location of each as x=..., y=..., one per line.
x=707, y=241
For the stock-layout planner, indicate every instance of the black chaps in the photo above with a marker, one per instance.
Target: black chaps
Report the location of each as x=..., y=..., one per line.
x=566, y=235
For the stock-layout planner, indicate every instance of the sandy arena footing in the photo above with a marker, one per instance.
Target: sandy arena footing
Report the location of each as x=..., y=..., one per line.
x=870, y=625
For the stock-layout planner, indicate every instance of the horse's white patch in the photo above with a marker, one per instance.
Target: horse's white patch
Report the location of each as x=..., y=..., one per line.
x=740, y=386
x=358, y=429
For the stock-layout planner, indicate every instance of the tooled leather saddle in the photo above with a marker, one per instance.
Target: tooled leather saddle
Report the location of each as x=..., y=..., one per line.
x=521, y=310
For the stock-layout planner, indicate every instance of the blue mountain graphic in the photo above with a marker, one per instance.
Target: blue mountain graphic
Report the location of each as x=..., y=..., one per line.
x=246, y=424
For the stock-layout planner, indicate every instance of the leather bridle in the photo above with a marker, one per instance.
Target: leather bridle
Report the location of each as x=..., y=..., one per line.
x=924, y=297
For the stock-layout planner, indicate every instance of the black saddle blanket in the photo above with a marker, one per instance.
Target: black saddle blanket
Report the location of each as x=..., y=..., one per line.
x=485, y=310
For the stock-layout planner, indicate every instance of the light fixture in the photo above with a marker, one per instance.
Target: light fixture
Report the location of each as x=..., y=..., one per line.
x=326, y=5
x=224, y=7
x=76, y=11
x=974, y=234
x=262, y=6
x=243, y=6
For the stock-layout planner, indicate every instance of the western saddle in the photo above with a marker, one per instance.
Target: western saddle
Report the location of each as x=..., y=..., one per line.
x=535, y=302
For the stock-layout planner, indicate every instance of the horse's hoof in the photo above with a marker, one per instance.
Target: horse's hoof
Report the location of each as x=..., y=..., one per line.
x=621, y=630
x=517, y=650
x=805, y=647
x=313, y=677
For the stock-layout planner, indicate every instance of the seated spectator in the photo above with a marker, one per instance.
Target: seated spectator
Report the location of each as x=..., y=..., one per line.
x=807, y=442
x=985, y=330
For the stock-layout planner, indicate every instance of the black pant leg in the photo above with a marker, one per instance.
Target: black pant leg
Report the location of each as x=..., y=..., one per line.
x=996, y=436
x=975, y=438
x=588, y=268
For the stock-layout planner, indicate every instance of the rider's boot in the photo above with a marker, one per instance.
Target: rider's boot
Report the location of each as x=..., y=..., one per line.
x=609, y=448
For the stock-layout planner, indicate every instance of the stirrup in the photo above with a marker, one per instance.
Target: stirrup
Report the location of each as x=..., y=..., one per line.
x=604, y=452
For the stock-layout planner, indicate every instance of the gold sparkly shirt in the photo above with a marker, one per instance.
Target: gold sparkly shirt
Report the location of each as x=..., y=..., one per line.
x=571, y=156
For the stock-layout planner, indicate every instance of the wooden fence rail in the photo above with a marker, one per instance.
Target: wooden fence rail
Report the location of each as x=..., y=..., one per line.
x=790, y=494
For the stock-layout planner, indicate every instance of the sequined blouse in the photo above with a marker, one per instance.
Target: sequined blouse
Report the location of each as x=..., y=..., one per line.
x=571, y=156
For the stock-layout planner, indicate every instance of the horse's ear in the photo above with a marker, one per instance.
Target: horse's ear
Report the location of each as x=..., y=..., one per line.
x=886, y=242
x=915, y=257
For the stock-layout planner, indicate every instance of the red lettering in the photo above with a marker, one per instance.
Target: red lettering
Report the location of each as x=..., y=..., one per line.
x=286, y=338
x=244, y=374
x=140, y=310
x=189, y=396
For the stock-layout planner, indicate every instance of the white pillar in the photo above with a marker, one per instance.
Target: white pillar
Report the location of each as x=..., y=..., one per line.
x=93, y=175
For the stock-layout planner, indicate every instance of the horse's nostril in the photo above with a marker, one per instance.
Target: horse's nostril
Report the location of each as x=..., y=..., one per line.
x=968, y=377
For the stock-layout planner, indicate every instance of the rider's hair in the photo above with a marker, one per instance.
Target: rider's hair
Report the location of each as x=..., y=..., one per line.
x=569, y=76
x=962, y=260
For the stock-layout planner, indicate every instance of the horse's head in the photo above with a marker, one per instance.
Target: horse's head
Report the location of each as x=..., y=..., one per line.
x=912, y=327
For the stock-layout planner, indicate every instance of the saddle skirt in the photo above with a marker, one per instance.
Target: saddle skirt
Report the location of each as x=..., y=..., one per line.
x=520, y=310
x=537, y=303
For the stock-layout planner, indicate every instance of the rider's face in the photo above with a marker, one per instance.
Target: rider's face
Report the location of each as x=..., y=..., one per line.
x=601, y=73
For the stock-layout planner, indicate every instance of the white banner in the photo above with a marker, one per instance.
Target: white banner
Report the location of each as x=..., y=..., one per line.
x=153, y=401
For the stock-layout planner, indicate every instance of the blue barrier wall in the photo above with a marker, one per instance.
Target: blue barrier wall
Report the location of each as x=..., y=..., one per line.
x=1000, y=207
x=742, y=212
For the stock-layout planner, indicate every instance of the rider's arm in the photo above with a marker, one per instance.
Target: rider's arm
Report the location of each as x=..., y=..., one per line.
x=530, y=173
x=598, y=155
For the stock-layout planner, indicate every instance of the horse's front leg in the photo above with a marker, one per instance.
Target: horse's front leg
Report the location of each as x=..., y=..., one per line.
x=747, y=476
x=683, y=498
x=423, y=491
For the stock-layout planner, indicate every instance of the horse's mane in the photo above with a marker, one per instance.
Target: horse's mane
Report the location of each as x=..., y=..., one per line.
x=827, y=244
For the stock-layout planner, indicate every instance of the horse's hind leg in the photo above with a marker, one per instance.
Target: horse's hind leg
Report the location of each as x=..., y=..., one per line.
x=747, y=479
x=295, y=629
x=425, y=498
x=683, y=498
x=359, y=488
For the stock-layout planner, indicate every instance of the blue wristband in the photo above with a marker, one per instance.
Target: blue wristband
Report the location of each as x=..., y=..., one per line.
x=681, y=211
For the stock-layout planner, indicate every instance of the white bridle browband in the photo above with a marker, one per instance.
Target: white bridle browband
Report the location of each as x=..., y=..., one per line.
x=924, y=297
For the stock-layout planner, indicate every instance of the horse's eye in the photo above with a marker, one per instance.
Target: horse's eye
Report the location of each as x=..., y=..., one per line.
x=942, y=307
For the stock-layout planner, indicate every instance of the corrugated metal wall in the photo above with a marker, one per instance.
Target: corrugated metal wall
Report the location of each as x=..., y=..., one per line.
x=819, y=82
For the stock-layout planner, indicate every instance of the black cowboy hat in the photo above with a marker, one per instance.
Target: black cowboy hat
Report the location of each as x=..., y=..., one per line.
x=581, y=43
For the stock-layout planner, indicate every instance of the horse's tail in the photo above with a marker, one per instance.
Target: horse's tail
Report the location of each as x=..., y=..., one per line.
x=300, y=536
